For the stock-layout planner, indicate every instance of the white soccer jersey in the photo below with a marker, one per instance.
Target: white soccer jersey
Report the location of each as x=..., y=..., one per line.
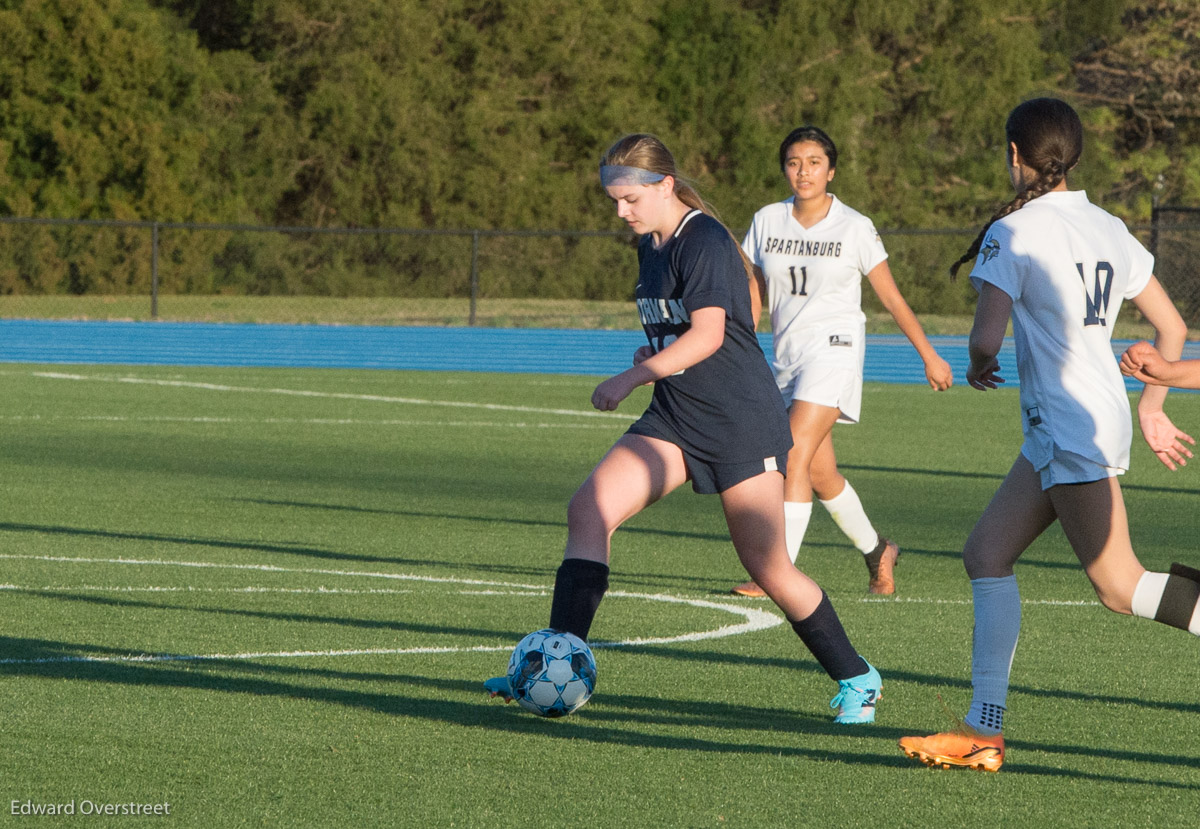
x=813, y=275
x=1067, y=265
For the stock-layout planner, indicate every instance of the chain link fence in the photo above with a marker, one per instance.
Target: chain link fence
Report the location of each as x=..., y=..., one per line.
x=109, y=269
x=1175, y=242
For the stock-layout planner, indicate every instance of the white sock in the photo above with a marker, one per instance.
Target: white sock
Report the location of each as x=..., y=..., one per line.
x=849, y=515
x=994, y=643
x=1148, y=601
x=795, y=522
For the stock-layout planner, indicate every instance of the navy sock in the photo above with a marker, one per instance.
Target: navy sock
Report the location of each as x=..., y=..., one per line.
x=578, y=588
x=823, y=634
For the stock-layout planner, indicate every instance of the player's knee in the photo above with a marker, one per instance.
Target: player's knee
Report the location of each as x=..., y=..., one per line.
x=586, y=516
x=583, y=512
x=977, y=563
x=827, y=483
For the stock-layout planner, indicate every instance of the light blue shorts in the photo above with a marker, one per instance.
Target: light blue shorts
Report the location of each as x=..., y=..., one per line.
x=1070, y=468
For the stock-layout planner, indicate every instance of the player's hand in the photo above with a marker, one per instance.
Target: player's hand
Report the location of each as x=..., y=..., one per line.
x=643, y=354
x=1166, y=441
x=984, y=377
x=609, y=394
x=1141, y=361
x=938, y=373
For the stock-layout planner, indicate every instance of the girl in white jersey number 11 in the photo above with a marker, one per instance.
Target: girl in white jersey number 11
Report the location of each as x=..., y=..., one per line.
x=810, y=253
x=1060, y=268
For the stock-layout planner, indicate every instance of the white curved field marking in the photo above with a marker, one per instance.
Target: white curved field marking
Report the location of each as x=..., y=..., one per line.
x=375, y=398
x=753, y=618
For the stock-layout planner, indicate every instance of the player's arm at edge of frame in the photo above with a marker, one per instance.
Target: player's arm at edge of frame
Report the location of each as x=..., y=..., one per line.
x=1160, y=366
x=1161, y=435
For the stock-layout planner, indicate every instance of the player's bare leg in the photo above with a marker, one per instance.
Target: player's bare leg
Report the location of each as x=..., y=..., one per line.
x=1094, y=520
x=810, y=424
x=755, y=523
x=635, y=473
x=756, y=527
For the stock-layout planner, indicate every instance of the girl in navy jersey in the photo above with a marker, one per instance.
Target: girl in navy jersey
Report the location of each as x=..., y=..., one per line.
x=1060, y=268
x=715, y=419
x=810, y=253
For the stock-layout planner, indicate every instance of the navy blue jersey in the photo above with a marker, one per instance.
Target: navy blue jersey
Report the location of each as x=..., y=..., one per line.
x=726, y=408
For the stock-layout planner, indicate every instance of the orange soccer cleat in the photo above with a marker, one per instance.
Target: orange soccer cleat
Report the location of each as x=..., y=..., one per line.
x=963, y=748
x=749, y=589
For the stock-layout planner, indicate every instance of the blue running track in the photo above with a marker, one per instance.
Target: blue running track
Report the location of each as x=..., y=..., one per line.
x=890, y=358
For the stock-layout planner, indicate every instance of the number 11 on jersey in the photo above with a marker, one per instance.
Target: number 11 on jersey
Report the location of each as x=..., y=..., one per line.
x=803, y=280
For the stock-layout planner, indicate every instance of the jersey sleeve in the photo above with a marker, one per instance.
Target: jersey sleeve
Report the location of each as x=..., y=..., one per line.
x=998, y=263
x=706, y=260
x=1141, y=267
x=870, y=246
x=752, y=243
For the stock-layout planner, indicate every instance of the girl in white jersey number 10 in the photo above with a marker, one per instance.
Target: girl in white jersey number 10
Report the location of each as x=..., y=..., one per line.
x=1060, y=268
x=810, y=253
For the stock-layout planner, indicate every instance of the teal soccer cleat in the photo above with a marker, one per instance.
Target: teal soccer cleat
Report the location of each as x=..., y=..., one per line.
x=498, y=686
x=856, y=698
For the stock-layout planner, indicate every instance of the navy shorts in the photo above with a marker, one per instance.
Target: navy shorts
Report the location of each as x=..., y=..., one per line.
x=711, y=477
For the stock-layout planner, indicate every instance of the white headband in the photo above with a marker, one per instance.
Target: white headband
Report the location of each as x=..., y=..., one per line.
x=619, y=175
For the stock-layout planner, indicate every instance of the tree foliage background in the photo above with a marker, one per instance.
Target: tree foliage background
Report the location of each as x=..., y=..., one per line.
x=491, y=114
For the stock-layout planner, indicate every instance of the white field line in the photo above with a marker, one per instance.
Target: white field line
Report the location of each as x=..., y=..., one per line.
x=1029, y=602
x=376, y=398
x=753, y=618
x=307, y=421
x=269, y=568
x=304, y=591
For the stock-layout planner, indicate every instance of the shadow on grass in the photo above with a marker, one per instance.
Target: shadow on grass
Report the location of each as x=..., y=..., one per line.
x=721, y=538
x=623, y=576
x=999, y=476
x=803, y=663
x=613, y=719
x=475, y=566
x=264, y=615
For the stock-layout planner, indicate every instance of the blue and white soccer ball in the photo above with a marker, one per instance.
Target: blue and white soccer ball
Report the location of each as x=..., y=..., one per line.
x=551, y=673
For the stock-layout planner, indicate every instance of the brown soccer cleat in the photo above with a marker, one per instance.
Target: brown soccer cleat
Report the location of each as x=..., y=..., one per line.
x=964, y=748
x=750, y=589
x=880, y=563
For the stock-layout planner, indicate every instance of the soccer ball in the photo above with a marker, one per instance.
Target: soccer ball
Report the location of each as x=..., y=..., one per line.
x=551, y=673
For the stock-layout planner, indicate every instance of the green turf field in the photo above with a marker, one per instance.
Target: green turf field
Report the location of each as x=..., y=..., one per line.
x=268, y=598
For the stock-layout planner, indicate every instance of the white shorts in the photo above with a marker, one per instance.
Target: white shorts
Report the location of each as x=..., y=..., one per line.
x=828, y=371
x=1066, y=467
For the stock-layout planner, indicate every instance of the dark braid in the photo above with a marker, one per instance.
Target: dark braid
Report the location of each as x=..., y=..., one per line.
x=1043, y=184
x=1049, y=137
